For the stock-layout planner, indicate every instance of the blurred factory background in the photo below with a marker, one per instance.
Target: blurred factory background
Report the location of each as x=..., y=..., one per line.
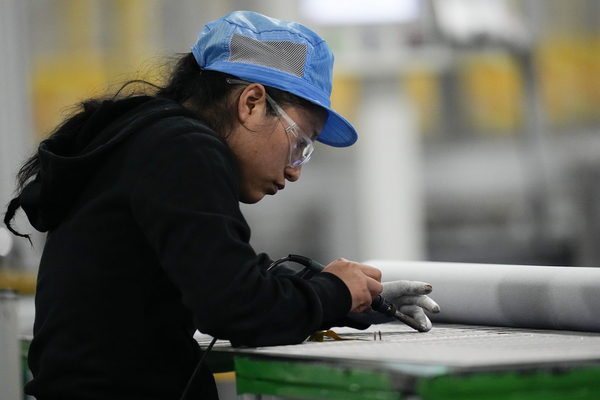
x=478, y=120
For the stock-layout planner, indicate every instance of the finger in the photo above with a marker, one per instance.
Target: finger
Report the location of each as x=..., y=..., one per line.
x=361, y=308
x=417, y=314
x=371, y=272
x=374, y=287
x=425, y=302
x=401, y=288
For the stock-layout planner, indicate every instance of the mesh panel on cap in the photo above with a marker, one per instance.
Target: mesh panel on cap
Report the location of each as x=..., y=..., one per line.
x=282, y=55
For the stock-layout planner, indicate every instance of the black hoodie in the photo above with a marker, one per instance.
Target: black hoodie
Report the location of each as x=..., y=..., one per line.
x=146, y=243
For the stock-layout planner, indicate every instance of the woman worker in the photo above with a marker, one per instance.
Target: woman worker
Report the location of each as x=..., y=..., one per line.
x=146, y=243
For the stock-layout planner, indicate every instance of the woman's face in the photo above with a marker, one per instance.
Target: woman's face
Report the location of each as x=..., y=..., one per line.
x=261, y=145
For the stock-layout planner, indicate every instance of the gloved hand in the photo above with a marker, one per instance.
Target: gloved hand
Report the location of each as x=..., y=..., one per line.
x=409, y=297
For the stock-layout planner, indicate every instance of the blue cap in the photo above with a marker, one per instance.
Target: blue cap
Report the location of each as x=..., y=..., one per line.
x=281, y=54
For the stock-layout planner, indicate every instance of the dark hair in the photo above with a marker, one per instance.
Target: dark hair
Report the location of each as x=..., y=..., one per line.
x=207, y=92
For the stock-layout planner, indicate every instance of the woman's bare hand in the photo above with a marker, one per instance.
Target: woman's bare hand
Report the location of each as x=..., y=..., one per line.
x=363, y=281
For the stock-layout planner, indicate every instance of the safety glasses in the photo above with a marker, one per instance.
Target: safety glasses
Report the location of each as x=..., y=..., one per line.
x=301, y=145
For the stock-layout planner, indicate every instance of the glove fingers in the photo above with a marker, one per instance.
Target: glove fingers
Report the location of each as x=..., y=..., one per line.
x=418, y=314
x=401, y=288
x=422, y=301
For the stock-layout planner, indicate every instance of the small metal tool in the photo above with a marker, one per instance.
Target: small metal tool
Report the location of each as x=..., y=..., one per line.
x=383, y=306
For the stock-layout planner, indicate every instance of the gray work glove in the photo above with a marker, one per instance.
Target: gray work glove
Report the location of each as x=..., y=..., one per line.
x=409, y=297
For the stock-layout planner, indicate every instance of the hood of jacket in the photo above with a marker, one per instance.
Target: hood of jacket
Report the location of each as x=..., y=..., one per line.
x=70, y=157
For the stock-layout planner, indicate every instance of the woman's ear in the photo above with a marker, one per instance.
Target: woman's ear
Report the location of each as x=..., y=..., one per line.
x=252, y=103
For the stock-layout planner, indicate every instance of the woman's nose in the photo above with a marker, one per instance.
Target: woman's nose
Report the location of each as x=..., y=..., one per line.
x=292, y=174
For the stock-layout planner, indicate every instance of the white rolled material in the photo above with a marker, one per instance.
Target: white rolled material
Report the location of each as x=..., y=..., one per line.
x=523, y=296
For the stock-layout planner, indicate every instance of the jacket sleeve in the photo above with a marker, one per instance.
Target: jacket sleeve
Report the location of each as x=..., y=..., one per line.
x=185, y=200
x=283, y=269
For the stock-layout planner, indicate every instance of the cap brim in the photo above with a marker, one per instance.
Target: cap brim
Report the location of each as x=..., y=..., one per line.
x=338, y=132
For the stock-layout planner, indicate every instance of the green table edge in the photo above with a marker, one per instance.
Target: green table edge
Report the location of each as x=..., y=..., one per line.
x=311, y=380
x=314, y=380
x=578, y=383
